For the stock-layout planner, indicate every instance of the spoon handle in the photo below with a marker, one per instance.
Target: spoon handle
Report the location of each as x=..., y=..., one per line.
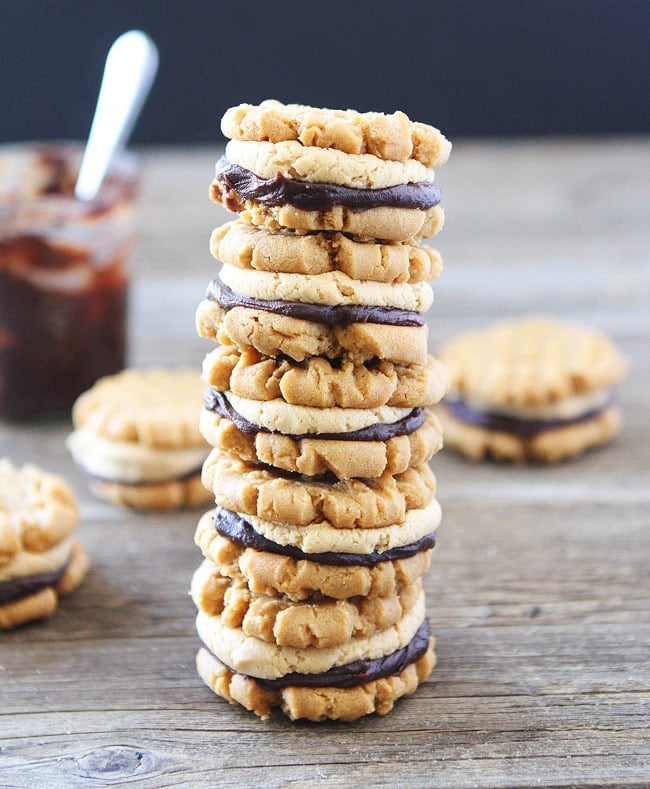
x=131, y=66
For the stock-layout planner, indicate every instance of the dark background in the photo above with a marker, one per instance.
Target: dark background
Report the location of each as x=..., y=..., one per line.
x=472, y=68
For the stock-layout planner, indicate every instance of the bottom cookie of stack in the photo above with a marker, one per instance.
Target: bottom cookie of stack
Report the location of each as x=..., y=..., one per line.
x=322, y=636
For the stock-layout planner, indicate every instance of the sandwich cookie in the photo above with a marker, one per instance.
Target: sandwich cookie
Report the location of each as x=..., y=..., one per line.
x=230, y=542
x=342, y=504
x=40, y=560
x=353, y=690
x=368, y=452
x=531, y=389
x=342, y=672
x=287, y=185
x=328, y=315
x=137, y=440
x=280, y=328
x=329, y=545
x=269, y=661
x=322, y=383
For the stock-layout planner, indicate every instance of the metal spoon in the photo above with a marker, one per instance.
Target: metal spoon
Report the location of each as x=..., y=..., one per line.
x=131, y=66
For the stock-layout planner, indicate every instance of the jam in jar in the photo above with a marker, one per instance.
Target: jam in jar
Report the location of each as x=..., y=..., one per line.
x=63, y=277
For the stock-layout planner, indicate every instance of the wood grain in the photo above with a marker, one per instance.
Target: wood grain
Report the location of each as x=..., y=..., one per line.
x=538, y=591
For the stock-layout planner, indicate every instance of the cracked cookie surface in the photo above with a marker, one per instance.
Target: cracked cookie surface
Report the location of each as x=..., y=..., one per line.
x=240, y=244
x=266, y=660
x=347, y=504
x=387, y=136
x=37, y=510
x=324, y=165
x=275, y=335
x=154, y=407
x=315, y=704
x=319, y=383
x=532, y=362
x=320, y=623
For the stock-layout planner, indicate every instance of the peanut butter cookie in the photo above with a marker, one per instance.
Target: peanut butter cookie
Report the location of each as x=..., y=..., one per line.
x=344, y=504
x=398, y=675
x=246, y=246
x=137, y=440
x=344, y=457
x=388, y=136
x=40, y=559
x=532, y=389
x=321, y=622
x=321, y=383
x=293, y=575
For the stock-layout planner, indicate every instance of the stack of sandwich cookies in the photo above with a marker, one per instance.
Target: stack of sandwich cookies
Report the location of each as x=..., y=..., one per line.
x=531, y=389
x=136, y=439
x=40, y=559
x=310, y=594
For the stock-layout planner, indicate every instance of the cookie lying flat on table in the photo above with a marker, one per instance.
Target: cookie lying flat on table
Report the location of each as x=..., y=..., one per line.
x=274, y=674
x=137, y=439
x=398, y=674
x=39, y=558
x=531, y=389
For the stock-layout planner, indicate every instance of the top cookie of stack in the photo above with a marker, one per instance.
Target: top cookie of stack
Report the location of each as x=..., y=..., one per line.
x=306, y=169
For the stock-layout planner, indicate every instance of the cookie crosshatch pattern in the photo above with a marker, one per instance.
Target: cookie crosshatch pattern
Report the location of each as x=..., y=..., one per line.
x=318, y=409
x=533, y=389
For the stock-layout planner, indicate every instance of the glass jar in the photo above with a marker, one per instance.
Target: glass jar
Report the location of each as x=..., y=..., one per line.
x=63, y=276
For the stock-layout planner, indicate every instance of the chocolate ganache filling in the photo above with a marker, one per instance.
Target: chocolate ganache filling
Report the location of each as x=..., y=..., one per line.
x=238, y=184
x=507, y=424
x=337, y=315
x=17, y=588
x=350, y=675
x=381, y=431
x=232, y=526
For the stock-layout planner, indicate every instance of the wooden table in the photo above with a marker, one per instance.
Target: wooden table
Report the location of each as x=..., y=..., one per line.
x=538, y=591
